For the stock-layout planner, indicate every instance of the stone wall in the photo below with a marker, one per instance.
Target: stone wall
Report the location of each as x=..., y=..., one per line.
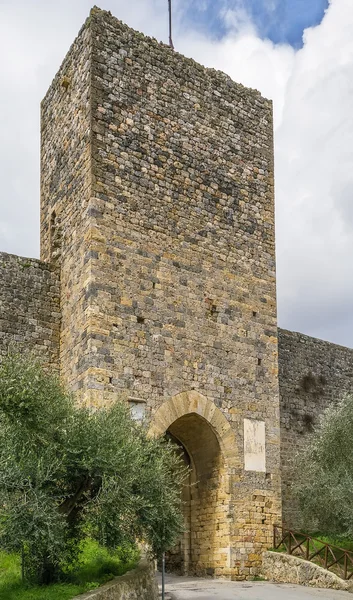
x=157, y=199
x=312, y=375
x=284, y=568
x=65, y=194
x=30, y=307
x=182, y=254
x=139, y=584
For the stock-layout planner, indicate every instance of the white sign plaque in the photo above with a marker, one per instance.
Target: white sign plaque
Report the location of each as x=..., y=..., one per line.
x=254, y=445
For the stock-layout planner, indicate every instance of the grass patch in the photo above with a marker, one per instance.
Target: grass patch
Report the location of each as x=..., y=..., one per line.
x=96, y=566
x=334, y=541
x=279, y=549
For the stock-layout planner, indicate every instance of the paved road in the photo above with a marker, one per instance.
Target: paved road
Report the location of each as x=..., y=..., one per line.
x=189, y=588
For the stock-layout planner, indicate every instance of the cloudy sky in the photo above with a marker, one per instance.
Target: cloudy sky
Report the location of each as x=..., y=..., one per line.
x=297, y=52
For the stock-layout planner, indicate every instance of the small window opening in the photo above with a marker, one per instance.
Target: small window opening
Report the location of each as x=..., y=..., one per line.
x=52, y=230
x=254, y=313
x=110, y=379
x=154, y=284
x=259, y=361
x=212, y=309
x=140, y=319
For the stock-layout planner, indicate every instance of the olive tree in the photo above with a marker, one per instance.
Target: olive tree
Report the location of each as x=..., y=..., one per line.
x=66, y=472
x=324, y=473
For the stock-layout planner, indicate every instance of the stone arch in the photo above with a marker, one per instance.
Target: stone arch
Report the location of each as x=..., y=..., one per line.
x=207, y=438
x=193, y=402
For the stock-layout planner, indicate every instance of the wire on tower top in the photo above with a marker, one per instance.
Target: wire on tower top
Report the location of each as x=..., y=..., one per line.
x=170, y=24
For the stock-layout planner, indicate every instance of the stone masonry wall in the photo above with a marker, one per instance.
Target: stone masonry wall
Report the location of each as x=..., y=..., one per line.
x=65, y=194
x=312, y=375
x=30, y=307
x=182, y=251
x=139, y=584
x=157, y=202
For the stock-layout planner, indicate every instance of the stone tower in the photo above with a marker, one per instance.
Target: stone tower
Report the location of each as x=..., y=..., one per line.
x=157, y=204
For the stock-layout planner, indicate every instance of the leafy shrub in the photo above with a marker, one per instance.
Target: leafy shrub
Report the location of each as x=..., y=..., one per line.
x=90, y=571
x=324, y=474
x=65, y=470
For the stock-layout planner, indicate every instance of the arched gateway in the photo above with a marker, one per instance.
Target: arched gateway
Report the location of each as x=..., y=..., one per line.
x=208, y=445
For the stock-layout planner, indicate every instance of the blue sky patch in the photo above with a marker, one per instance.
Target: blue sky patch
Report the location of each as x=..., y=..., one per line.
x=282, y=21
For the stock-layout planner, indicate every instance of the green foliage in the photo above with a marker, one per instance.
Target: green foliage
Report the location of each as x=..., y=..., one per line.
x=324, y=474
x=96, y=566
x=66, y=472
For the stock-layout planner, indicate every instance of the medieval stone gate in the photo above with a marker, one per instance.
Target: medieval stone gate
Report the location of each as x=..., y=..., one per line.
x=157, y=209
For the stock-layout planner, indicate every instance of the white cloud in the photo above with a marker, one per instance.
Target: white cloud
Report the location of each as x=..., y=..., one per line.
x=314, y=157
x=237, y=20
x=312, y=91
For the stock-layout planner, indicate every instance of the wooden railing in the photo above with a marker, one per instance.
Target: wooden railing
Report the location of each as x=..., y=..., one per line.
x=330, y=557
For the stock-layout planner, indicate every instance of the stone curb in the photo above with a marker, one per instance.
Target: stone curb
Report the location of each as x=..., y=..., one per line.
x=138, y=583
x=284, y=568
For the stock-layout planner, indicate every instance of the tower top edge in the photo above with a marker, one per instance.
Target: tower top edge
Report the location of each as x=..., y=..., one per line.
x=99, y=16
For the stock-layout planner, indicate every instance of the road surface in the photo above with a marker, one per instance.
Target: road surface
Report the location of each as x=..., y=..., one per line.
x=189, y=588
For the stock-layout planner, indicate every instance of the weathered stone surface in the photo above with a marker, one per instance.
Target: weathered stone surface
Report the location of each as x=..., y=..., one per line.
x=157, y=202
x=30, y=307
x=312, y=375
x=139, y=584
x=65, y=195
x=285, y=568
